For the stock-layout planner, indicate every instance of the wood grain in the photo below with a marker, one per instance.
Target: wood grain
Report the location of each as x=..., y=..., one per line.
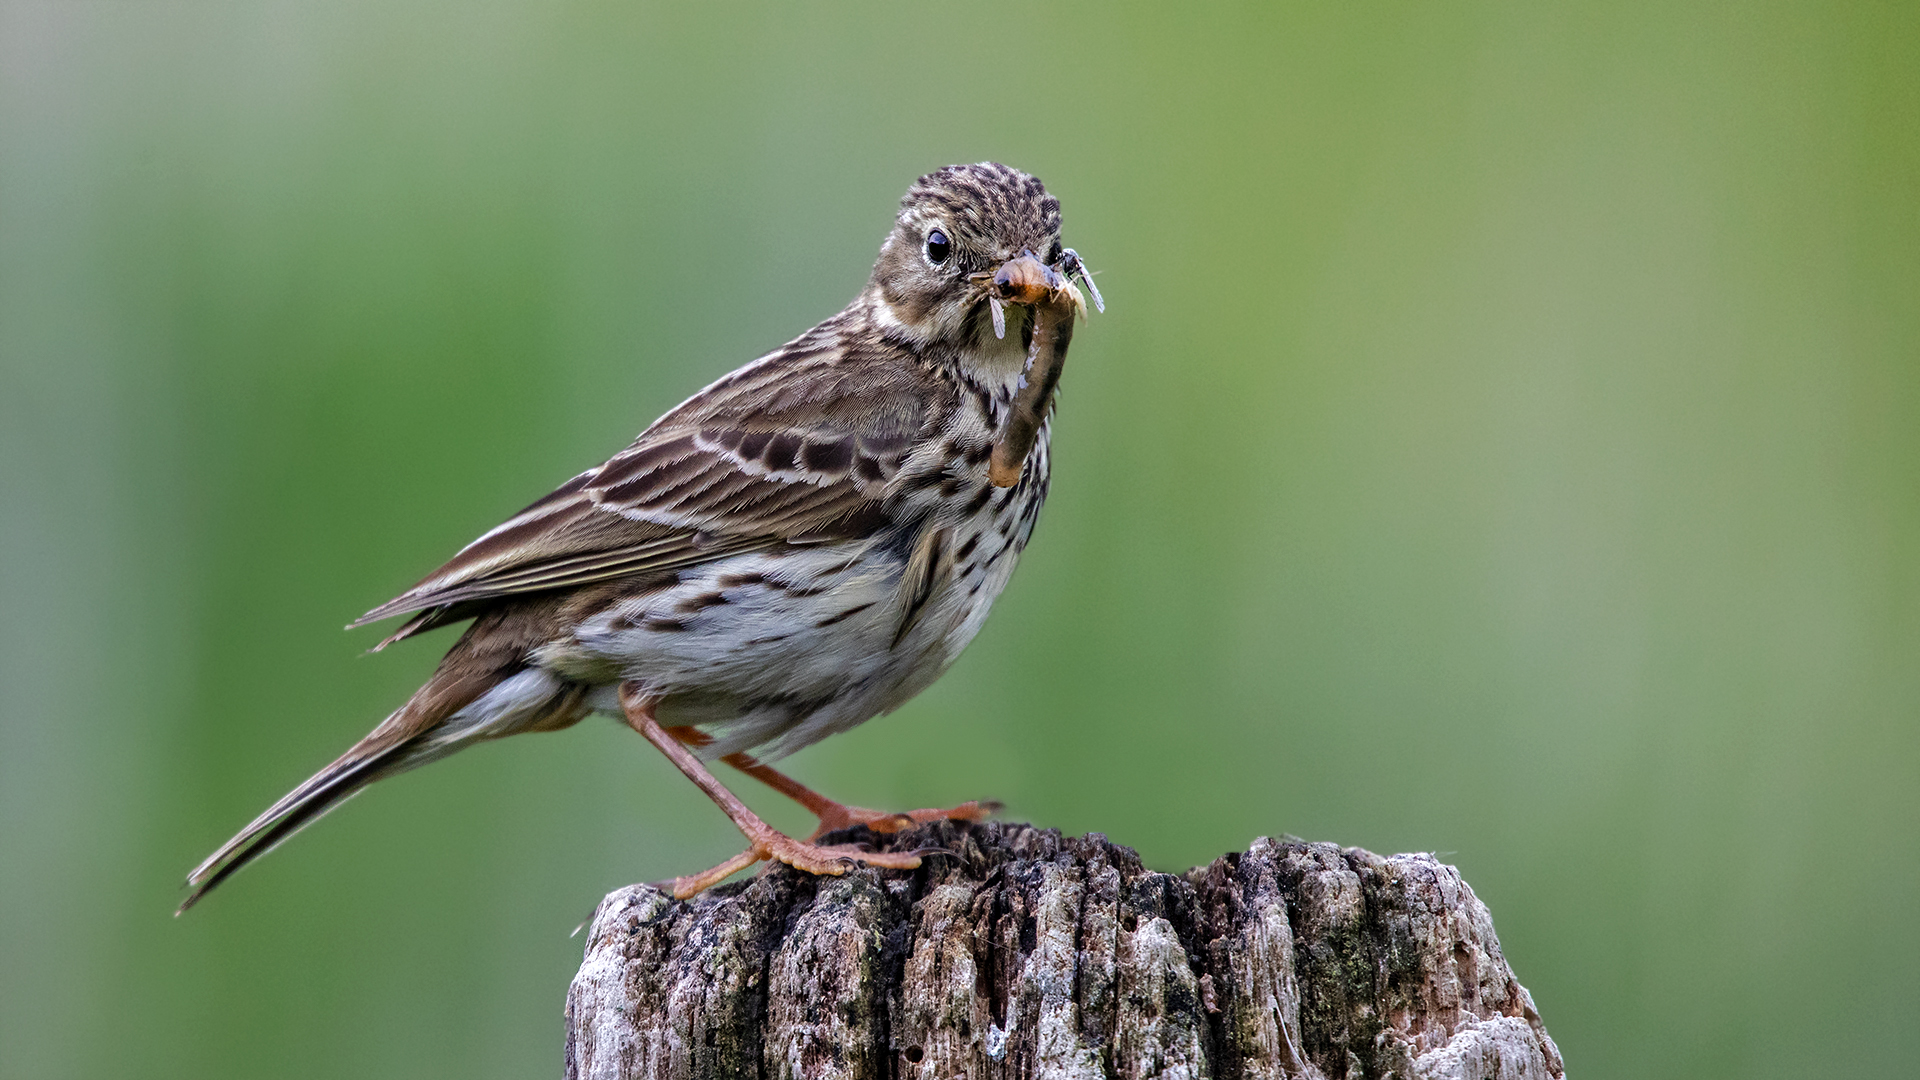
x=1026, y=954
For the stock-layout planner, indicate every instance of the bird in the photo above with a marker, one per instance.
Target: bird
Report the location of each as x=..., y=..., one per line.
x=799, y=547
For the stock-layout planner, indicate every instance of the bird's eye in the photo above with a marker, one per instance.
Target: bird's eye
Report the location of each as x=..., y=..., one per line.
x=938, y=246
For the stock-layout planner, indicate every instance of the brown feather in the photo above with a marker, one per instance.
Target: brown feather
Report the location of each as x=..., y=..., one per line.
x=924, y=569
x=797, y=447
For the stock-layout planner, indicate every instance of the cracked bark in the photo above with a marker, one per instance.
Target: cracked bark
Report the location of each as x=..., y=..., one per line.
x=1026, y=954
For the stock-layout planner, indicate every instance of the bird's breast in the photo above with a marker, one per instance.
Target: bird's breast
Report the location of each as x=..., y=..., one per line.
x=788, y=644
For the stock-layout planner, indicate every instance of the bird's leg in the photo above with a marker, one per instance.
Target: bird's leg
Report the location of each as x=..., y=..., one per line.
x=763, y=840
x=838, y=815
x=833, y=814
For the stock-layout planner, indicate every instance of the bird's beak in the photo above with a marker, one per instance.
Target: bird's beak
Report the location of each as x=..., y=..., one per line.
x=1024, y=279
x=1027, y=281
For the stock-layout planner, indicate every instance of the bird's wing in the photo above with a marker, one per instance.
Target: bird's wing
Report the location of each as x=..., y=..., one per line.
x=769, y=455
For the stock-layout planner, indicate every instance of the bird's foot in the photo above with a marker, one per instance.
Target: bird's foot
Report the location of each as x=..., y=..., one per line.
x=828, y=859
x=840, y=816
x=835, y=859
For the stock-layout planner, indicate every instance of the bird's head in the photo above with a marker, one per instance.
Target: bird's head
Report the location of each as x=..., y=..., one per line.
x=971, y=246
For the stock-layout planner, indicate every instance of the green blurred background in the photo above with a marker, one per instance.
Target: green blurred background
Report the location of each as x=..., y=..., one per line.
x=1503, y=439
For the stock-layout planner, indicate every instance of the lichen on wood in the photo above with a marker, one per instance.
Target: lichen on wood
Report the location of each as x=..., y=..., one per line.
x=1025, y=954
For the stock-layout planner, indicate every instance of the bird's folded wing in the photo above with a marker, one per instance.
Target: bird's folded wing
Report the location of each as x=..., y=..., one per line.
x=682, y=494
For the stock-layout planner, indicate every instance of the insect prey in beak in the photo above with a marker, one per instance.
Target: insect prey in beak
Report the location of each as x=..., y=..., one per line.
x=1071, y=266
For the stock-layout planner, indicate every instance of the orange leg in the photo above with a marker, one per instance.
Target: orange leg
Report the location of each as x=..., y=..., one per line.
x=837, y=815
x=763, y=840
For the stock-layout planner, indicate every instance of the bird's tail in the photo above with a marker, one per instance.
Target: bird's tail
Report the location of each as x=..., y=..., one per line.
x=301, y=807
x=482, y=690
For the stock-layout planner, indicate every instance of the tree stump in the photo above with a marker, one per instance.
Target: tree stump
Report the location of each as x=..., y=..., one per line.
x=1025, y=954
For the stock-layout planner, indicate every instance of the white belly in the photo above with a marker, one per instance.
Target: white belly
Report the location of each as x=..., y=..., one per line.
x=774, y=651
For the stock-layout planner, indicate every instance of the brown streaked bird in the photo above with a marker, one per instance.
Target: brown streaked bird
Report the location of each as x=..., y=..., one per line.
x=798, y=548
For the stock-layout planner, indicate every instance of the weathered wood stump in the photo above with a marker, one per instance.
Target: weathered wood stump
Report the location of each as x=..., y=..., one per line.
x=1026, y=954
